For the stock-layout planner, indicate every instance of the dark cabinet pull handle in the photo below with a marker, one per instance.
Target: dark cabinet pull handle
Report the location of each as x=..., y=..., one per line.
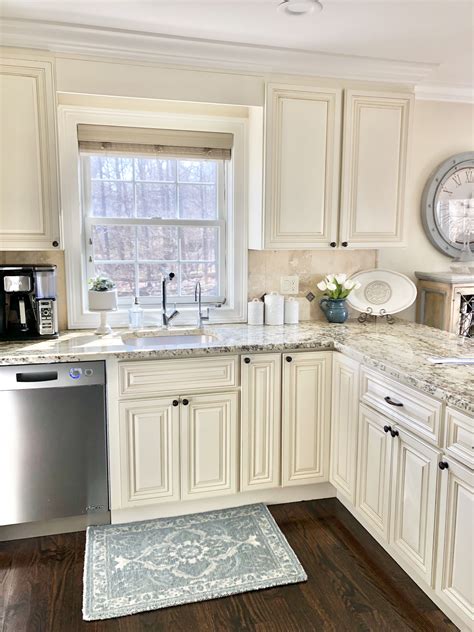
x=333, y=244
x=289, y=359
x=345, y=244
x=443, y=465
x=387, y=428
x=247, y=360
x=394, y=433
x=55, y=244
x=175, y=402
x=185, y=402
x=390, y=401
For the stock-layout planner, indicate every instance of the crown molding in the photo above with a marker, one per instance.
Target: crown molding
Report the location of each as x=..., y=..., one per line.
x=442, y=92
x=134, y=46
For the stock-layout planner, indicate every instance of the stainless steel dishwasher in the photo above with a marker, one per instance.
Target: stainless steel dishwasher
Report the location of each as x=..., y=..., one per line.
x=53, y=452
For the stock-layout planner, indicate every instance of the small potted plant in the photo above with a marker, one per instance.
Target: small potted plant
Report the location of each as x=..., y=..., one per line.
x=336, y=288
x=102, y=298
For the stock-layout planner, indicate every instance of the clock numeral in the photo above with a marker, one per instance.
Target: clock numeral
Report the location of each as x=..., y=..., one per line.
x=469, y=175
x=457, y=179
x=445, y=190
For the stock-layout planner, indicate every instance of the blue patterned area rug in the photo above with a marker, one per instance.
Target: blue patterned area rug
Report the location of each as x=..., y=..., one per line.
x=155, y=564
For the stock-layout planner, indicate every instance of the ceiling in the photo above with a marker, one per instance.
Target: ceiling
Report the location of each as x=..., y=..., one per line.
x=439, y=32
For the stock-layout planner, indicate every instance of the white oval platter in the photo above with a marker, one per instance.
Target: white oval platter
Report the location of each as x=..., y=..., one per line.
x=382, y=292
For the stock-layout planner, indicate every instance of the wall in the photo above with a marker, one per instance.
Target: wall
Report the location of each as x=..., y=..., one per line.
x=440, y=130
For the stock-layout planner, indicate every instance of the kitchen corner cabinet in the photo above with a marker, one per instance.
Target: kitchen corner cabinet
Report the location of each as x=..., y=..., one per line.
x=261, y=421
x=306, y=396
x=29, y=187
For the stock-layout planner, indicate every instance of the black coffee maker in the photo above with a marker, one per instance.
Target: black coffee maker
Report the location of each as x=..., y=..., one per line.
x=28, y=308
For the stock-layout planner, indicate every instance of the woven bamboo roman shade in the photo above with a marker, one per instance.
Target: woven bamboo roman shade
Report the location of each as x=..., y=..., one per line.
x=150, y=141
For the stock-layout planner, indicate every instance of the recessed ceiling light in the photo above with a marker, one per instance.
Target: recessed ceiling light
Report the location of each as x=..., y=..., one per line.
x=299, y=7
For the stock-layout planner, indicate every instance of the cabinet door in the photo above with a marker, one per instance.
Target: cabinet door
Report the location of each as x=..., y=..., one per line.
x=414, y=480
x=306, y=415
x=373, y=470
x=374, y=167
x=455, y=568
x=261, y=421
x=344, y=417
x=149, y=439
x=302, y=166
x=209, y=445
x=29, y=193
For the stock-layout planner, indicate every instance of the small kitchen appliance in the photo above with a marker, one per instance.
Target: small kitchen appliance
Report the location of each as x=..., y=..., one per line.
x=28, y=306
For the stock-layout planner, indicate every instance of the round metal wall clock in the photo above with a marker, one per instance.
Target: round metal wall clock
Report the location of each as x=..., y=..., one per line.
x=447, y=205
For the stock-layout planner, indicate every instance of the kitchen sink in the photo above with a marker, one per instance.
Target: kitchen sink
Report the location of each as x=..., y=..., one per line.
x=166, y=338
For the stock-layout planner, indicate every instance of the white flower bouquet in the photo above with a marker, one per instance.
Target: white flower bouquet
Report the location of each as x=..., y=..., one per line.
x=337, y=286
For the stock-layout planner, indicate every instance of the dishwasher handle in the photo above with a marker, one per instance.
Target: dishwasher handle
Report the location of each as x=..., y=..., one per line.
x=43, y=376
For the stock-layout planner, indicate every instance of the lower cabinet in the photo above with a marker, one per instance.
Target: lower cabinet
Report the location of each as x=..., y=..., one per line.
x=209, y=445
x=306, y=397
x=455, y=569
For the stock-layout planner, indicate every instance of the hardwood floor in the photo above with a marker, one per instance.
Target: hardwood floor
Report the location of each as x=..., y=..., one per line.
x=352, y=585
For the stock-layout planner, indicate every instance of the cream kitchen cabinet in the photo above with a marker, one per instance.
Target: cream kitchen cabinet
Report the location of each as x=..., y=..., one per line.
x=344, y=425
x=29, y=187
x=455, y=568
x=376, y=132
x=306, y=397
x=261, y=421
x=209, y=449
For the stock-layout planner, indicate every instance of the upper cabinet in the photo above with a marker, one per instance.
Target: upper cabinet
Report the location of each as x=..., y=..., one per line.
x=376, y=130
x=311, y=200
x=29, y=191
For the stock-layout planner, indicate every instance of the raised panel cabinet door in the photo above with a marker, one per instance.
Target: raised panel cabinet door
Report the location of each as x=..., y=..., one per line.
x=302, y=166
x=260, y=421
x=455, y=567
x=373, y=471
x=209, y=448
x=29, y=187
x=306, y=404
x=414, y=479
x=149, y=439
x=344, y=428
x=374, y=167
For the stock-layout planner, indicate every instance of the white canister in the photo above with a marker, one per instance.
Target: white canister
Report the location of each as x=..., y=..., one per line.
x=292, y=311
x=255, y=312
x=274, y=309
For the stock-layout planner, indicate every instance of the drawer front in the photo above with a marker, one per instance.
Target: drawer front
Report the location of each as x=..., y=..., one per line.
x=416, y=411
x=459, y=437
x=177, y=377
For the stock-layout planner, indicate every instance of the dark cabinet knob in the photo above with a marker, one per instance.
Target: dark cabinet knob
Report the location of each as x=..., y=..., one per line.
x=390, y=401
x=247, y=360
x=345, y=244
x=387, y=428
x=185, y=402
x=55, y=243
x=443, y=465
x=175, y=402
x=394, y=433
x=333, y=244
x=289, y=359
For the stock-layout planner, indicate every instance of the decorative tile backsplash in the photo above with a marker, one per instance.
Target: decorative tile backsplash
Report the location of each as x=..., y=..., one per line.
x=266, y=267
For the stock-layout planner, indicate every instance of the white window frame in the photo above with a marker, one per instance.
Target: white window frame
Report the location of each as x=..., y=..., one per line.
x=69, y=117
x=220, y=222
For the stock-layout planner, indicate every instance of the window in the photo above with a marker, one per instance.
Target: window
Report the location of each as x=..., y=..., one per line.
x=145, y=216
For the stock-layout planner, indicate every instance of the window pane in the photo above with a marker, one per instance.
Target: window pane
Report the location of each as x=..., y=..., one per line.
x=122, y=273
x=197, y=171
x=206, y=273
x=197, y=201
x=149, y=279
x=156, y=200
x=158, y=242
x=113, y=242
x=111, y=199
x=158, y=169
x=199, y=243
x=111, y=168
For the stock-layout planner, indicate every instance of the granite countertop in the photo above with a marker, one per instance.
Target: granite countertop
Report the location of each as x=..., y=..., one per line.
x=399, y=350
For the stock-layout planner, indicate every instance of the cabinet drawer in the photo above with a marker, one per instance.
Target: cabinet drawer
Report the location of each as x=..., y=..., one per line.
x=178, y=377
x=459, y=437
x=418, y=412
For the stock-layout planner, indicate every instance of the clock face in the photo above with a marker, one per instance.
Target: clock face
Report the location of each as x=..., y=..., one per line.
x=454, y=205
